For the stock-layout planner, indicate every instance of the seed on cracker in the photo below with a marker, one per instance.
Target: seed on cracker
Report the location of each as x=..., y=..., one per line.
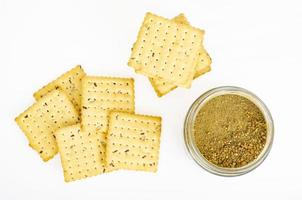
x=133, y=141
x=79, y=153
x=166, y=49
x=69, y=82
x=51, y=112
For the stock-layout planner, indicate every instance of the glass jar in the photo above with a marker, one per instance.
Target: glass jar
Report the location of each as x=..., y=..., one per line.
x=190, y=138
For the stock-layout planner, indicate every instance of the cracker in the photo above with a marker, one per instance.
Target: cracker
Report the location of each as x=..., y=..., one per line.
x=69, y=82
x=42, y=119
x=166, y=49
x=163, y=87
x=79, y=153
x=100, y=95
x=133, y=141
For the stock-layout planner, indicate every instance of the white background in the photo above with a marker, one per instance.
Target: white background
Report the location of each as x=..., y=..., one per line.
x=253, y=44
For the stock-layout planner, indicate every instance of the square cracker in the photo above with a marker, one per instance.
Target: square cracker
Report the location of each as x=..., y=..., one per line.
x=42, y=119
x=69, y=82
x=79, y=153
x=163, y=87
x=100, y=95
x=133, y=141
x=166, y=49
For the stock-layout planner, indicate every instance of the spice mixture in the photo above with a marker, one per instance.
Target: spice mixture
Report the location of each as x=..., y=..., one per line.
x=230, y=131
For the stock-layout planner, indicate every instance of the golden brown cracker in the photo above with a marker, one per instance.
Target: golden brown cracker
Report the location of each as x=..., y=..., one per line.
x=100, y=95
x=133, y=141
x=203, y=65
x=166, y=49
x=79, y=153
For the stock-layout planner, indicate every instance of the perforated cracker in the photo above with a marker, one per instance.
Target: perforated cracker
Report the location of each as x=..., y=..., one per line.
x=69, y=82
x=166, y=49
x=163, y=87
x=100, y=95
x=42, y=119
x=79, y=153
x=133, y=141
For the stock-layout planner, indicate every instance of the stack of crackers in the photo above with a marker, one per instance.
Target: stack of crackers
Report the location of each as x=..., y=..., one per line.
x=169, y=52
x=91, y=122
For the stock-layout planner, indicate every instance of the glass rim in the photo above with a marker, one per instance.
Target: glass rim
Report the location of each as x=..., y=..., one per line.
x=190, y=139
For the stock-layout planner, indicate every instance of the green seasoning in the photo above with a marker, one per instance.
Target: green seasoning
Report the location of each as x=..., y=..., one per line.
x=230, y=131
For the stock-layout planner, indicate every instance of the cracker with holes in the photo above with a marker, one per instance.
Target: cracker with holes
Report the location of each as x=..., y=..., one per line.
x=133, y=141
x=42, y=119
x=79, y=153
x=166, y=49
x=163, y=87
x=100, y=95
x=69, y=82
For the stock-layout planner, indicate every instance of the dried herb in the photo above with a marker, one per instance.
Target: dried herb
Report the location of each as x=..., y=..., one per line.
x=230, y=131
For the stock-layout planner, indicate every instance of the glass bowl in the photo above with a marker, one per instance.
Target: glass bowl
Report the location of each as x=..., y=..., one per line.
x=190, y=138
